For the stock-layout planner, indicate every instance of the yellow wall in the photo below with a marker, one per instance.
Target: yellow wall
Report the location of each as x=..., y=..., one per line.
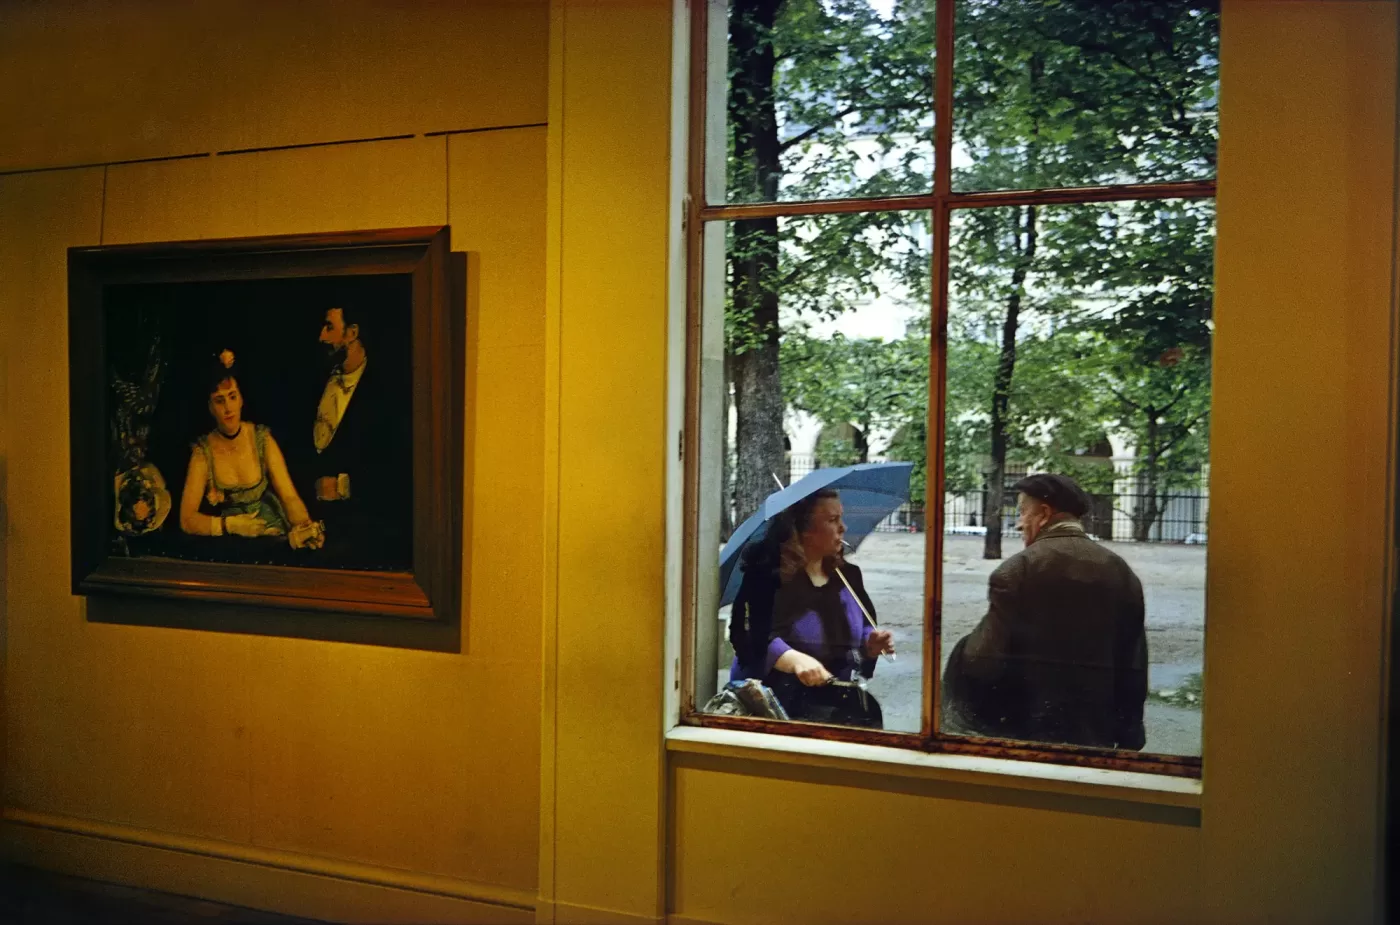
x=360, y=782
x=340, y=780
x=600, y=849
x=88, y=81
x=1303, y=385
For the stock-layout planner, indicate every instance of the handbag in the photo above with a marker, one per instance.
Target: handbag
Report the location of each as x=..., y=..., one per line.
x=844, y=703
x=836, y=703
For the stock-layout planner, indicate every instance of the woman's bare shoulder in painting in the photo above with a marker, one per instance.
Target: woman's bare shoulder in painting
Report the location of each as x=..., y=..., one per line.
x=237, y=468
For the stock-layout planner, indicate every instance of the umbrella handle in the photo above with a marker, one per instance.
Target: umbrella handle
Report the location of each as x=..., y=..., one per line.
x=868, y=617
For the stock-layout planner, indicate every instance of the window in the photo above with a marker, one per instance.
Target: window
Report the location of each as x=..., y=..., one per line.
x=937, y=247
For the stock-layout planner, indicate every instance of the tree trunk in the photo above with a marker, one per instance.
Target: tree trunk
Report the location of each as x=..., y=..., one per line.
x=758, y=399
x=758, y=388
x=1149, y=509
x=1001, y=389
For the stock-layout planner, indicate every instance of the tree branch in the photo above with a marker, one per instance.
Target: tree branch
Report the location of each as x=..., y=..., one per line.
x=818, y=128
x=1185, y=432
x=1125, y=399
x=1182, y=393
x=837, y=117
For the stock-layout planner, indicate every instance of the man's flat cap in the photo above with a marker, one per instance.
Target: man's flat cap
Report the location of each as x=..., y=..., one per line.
x=1059, y=491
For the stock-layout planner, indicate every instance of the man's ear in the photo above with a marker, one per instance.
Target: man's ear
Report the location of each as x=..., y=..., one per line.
x=352, y=332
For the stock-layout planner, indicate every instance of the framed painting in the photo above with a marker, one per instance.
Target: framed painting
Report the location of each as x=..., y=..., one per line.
x=270, y=421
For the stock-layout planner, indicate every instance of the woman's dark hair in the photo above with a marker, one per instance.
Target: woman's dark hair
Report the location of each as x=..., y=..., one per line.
x=220, y=367
x=751, y=619
x=764, y=555
x=802, y=511
x=793, y=557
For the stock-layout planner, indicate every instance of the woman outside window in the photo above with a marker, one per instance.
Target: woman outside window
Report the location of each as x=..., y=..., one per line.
x=823, y=619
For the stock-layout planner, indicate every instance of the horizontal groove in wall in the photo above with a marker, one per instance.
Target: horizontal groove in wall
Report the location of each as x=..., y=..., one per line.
x=290, y=147
x=134, y=160
x=281, y=860
x=493, y=128
x=314, y=144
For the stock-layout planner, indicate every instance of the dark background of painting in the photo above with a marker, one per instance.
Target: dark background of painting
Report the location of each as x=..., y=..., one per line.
x=272, y=326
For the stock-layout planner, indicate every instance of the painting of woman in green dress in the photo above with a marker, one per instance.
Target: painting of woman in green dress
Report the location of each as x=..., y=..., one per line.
x=237, y=483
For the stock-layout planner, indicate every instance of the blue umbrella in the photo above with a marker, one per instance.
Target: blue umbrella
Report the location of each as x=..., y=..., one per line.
x=870, y=492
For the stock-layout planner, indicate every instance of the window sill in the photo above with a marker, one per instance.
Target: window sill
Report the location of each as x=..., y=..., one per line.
x=879, y=760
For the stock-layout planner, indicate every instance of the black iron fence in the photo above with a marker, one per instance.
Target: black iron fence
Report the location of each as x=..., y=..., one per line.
x=1174, y=514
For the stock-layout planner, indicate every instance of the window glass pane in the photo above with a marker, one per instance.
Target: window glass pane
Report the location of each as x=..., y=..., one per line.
x=1080, y=92
x=823, y=383
x=821, y=99
x=1079, y=343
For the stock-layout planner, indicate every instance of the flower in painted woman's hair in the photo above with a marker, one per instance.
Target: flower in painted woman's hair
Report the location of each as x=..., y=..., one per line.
x=226, y=358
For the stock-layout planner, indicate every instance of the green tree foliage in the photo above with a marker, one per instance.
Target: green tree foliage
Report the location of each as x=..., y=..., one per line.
x=1065, y=322
x=1075, y=92
x=869, y=383
x=1146, y=331
x=1113, y=338
x=1063, y=93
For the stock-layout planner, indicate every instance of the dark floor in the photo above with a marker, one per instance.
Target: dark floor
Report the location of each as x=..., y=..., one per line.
x=35, y=897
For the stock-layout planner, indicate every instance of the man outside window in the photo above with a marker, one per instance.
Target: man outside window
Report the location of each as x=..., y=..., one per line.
x=1061, y=655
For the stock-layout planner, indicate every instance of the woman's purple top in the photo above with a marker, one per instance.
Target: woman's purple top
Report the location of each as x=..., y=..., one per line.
x=798, y=624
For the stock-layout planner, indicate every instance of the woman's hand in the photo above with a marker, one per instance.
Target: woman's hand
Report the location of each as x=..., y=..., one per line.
x=809, y=671
x=879, y=642
x=308, y=534
x=245, y=525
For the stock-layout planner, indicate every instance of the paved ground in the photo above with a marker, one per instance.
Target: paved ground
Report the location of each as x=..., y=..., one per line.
x=1173, y=578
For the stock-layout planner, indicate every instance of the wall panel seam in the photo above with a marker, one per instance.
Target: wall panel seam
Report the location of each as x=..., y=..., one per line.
x=262, y=150
x=85, y=166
